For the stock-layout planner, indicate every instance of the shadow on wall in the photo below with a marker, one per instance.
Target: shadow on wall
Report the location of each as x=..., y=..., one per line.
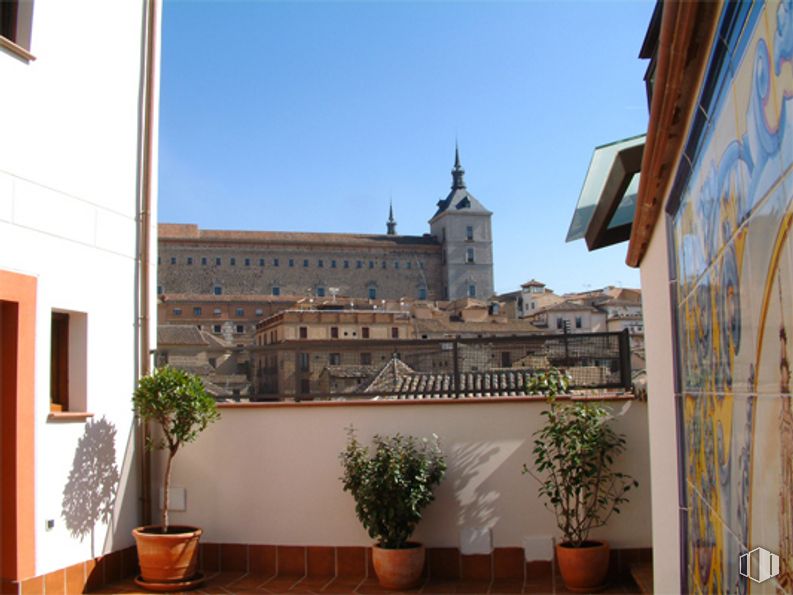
x=90, y=493
x=476, y=499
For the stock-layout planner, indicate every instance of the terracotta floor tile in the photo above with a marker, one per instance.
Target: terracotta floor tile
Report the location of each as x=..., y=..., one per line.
x=473, y=587
x=250, y=581
x=506, y=586
x=343, y=585
x=372, y=587
x=223, y=579
x=280, y=584
x=434, y=586
x=539, y=588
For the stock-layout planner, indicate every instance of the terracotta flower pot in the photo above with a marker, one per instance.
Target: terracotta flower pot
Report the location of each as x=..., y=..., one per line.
x=398, y=569
x=584, y=568
x=167, y=557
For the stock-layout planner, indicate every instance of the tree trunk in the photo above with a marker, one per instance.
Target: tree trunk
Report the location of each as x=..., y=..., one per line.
x=166, y=500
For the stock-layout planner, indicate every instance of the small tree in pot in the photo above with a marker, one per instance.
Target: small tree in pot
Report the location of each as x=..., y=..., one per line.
x=391, y=487
x=574, y=454
x=178, y=403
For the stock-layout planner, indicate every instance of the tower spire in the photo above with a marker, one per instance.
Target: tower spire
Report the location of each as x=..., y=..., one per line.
x=391, y=223
x=457, y=172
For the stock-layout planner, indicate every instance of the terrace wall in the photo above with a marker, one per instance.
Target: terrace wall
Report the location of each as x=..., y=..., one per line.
x=269, y=473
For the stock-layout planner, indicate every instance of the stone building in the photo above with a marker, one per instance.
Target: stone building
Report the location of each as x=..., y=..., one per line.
x=453, y=261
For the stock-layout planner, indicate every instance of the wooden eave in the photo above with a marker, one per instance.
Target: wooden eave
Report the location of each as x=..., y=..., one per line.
x=686, y=34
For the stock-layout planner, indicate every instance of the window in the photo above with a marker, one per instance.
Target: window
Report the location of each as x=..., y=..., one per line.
x=217, y=290
x=469, y=232
x=506, y=359
x=240, y=329
x=366, y=359
x=204, y=260
x=396, y=264
x=177, y=311
x=371, y=264
x=384, y=264
x=346, y=264
x=320, y=263
x=275, y=262
x=305, y=263
x=334, y=332
x=303, y=362
x=247, y=262
x=334, y=359
x=276, y=290
x=216, y=311
x=578, y=322
x=320, y=292
x=422, y=293
x=189, y=260
x=217, y=261
x=365, y=332
x=232, y=261
x=407, y=265
x=159, y=260
x=303, y=332
x=372, y=293
x=358, y=264
x=173, y=260
x=59, y=363
x=469, y=255
x=68, y=378
x=333, y=264
x=197, y=311
x=395, y=332
x=559, y=323
x=261, y=262
x=259, y=312
x=291, y=262
x=239, y=312
x=159, y=289
x=472, y=290
x=215, y=328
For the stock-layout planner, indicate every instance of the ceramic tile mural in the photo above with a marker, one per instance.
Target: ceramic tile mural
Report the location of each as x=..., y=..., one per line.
x=733, y=249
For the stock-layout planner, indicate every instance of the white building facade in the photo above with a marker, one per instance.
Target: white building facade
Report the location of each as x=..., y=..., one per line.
x=77, y=274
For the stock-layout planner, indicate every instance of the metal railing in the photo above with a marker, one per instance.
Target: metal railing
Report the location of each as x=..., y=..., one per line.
x=434, y=368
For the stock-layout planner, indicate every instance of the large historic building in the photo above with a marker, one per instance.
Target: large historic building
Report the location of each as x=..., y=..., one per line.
x=455, y=260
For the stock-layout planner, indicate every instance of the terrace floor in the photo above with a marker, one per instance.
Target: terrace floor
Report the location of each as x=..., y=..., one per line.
x=240, y=583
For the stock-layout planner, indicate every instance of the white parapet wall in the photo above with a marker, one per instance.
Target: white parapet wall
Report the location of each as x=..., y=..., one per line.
x=269, y=474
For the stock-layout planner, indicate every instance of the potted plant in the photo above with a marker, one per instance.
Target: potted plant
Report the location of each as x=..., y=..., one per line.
x=178, y=403
x=574, y=454
x=391, y=486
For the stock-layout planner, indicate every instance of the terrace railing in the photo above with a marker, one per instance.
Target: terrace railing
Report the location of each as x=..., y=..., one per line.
x=434, y=368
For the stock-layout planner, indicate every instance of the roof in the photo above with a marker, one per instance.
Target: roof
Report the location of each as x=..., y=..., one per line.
x=565, y=306
x=190, y=232
x=459, y=199
x=350, y=371
x=179, y=334
x=532, y=283
x=434, y=325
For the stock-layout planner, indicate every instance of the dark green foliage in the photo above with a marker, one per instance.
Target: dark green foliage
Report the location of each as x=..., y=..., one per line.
x=573, y=456
x=179, y=404
x=393, y=485
x=550, y=382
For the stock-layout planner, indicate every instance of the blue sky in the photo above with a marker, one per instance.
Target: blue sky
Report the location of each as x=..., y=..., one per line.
x=310, y=116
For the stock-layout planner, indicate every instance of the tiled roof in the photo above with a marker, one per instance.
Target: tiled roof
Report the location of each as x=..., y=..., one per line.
x=351, y=371
x=168, y=231
x=179, y=334
x=479, y=328
x=565, y=306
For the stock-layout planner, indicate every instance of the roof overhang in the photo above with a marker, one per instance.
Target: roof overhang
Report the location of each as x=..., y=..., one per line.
x=606, y=205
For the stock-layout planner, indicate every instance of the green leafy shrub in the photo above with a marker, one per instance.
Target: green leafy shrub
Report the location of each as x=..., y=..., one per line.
x=179, y=404
x=574, y=454
x=550, y=382
x=393, y=485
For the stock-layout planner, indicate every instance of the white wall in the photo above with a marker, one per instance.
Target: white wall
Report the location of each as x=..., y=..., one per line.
x=270, y=474
x=661, y=412
x=68, y=188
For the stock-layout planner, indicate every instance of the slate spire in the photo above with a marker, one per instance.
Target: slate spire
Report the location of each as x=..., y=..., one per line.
x=457, y=172
x=391, y=223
